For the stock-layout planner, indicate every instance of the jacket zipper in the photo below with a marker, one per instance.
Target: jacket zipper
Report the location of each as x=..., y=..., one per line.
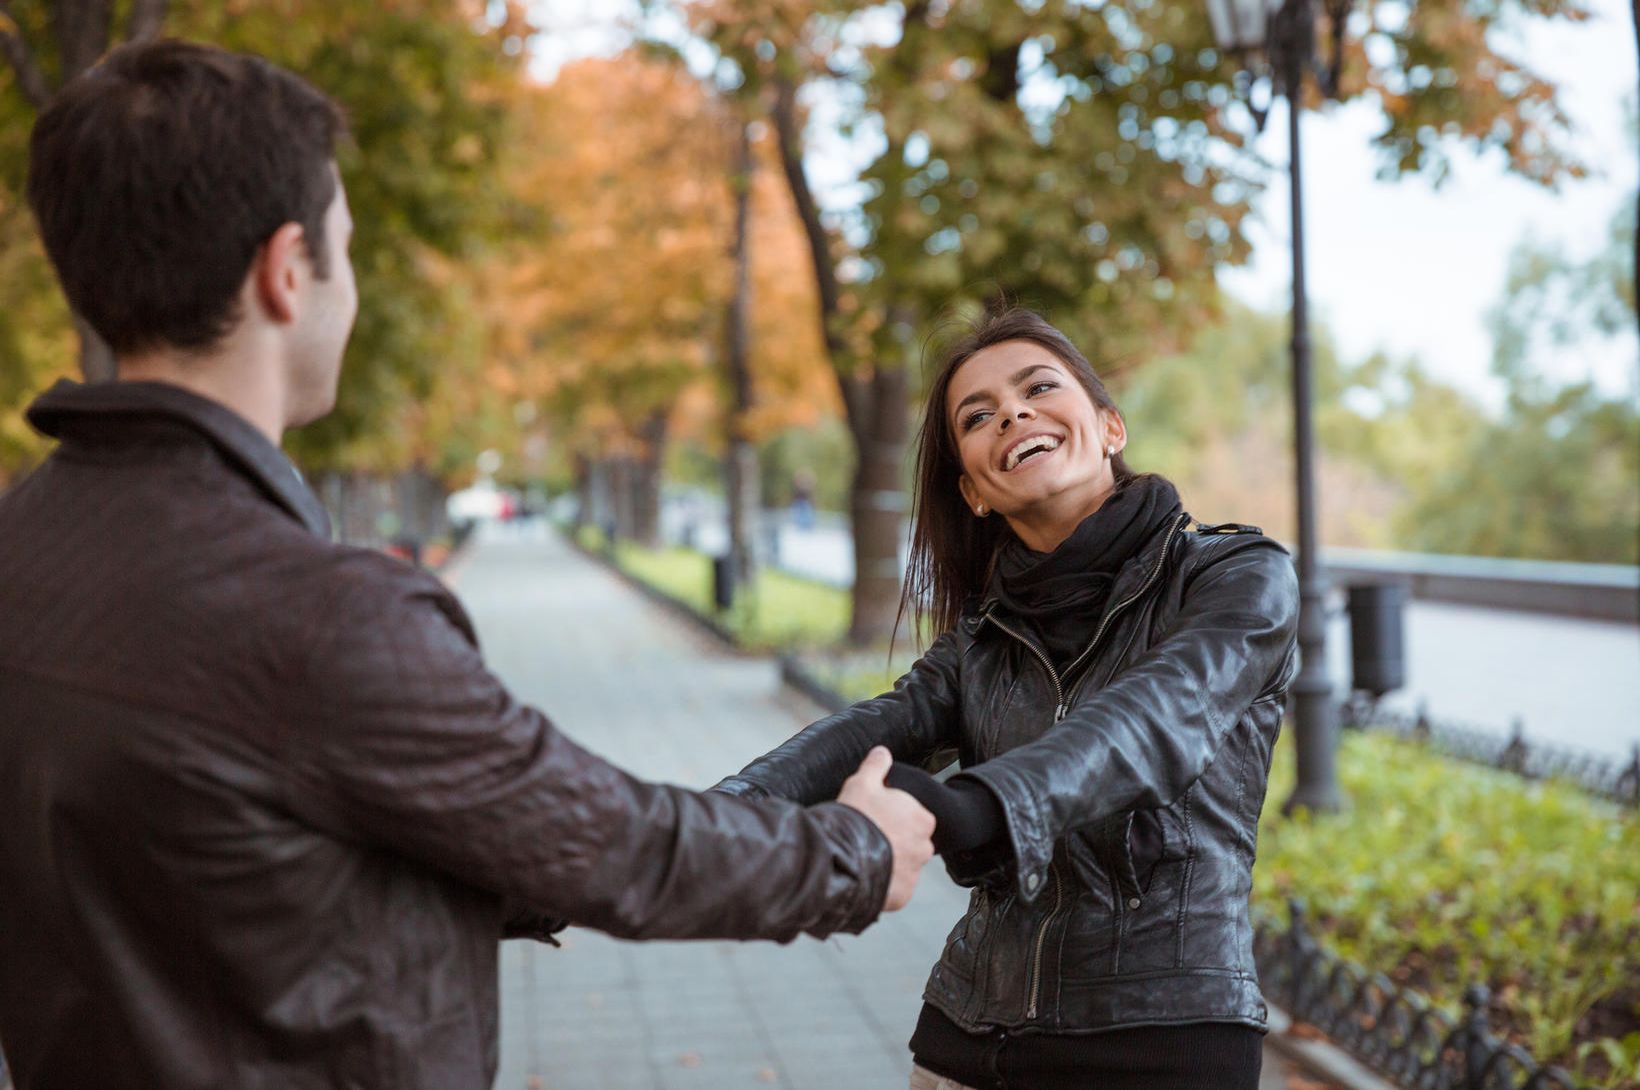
x=1042, y=657
x=1144, y=589
x=1042, y=937
x=1061, y=706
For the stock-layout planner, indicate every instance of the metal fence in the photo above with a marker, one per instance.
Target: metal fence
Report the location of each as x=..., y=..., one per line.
x=1595, y=773
x=1393, y=1030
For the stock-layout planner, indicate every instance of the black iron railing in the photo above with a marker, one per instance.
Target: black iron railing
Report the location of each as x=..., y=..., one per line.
x=1395, y=1031
x=1595, y=773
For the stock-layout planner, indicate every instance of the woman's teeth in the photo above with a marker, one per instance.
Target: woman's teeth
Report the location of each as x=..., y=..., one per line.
x=1039, y=444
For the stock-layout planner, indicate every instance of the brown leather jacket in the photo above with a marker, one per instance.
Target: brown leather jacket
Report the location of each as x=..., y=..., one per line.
x=263, y=812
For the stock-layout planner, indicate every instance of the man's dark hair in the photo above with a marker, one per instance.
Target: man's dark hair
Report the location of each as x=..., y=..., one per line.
x=156, y=174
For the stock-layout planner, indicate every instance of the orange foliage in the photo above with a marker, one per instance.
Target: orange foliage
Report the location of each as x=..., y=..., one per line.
x=609, y=305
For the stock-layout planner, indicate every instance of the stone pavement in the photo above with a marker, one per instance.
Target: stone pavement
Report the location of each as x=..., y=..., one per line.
x=644, y=689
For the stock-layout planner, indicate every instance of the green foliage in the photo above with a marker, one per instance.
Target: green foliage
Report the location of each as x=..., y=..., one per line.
x=423, y=86
x=1448, y=874
x=1408, y=461
x=1066, y=155
x=823, y=451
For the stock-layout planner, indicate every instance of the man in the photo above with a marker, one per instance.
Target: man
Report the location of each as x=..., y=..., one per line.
x=263, y=812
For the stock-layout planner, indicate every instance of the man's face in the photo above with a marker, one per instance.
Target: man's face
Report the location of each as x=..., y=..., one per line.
x=326, y=320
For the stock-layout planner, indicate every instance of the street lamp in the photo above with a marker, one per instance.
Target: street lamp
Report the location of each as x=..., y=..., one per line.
x=1283, y=33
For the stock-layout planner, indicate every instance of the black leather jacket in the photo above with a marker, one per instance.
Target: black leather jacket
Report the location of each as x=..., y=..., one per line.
x=1132, y=787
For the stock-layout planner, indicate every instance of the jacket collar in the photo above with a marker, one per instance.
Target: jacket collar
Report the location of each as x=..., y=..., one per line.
x=74, y=412
x=1130, y=577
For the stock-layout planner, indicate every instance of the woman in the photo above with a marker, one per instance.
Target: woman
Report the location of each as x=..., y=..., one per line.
x=1112, y=682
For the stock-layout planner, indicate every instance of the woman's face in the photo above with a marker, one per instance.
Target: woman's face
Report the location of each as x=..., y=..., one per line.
x=1031, y=442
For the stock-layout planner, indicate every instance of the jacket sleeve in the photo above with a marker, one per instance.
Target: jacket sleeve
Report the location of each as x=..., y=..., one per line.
x=1145, y=738
x=916, y=720
x=405, y=741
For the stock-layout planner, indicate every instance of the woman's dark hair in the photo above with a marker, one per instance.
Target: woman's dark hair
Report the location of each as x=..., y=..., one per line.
x=157, y=173
x=952, y=549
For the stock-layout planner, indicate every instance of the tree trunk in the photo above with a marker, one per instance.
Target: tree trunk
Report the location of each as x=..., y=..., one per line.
x=622, y=495
x=876, y=399
x=740, y=476
x=742, y=484
x=877, y=502
x=646, y=482
x=420, y=501
x=583, y=492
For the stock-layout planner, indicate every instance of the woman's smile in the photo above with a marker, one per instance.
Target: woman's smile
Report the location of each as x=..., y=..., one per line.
x=1030, y=450
x=1032, y=444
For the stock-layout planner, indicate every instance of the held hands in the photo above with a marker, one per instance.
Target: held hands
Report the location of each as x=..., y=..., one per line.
x=908, y=826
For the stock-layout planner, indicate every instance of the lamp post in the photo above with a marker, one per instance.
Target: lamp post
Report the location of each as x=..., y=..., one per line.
x=1283, y=32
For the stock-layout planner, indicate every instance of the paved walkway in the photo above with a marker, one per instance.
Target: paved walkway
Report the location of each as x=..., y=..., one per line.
x=647, y=691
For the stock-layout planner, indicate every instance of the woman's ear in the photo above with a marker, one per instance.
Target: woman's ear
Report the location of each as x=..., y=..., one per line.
x=1115, y=430
x=970, y=496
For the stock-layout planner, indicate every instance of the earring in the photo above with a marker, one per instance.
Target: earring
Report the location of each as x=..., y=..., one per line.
x=1110, y=452
x=982, y=510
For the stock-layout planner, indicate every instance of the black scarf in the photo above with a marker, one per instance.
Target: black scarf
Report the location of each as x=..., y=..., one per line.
x=1061, y=595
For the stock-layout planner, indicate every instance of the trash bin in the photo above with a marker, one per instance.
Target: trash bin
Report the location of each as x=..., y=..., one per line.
x=1377, y=639
x=723, y=582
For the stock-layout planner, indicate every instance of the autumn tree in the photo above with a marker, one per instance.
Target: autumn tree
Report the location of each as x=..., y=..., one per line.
x=423, y=84
x=618, y=312
x=1083, y=158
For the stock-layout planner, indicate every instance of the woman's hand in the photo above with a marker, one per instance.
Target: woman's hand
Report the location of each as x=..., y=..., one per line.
x=907, y=825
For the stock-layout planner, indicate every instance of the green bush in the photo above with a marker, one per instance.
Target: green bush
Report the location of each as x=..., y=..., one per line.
x=1443, y=873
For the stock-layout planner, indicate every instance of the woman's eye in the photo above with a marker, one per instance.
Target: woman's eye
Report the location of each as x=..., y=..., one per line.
x=974, y=419
x=1040, y=387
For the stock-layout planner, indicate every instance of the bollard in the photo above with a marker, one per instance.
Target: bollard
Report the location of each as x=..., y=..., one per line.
x=723, y=582
x=1513, y=757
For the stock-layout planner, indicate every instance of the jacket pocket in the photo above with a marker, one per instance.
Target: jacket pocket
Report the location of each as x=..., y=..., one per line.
x=1141, y=861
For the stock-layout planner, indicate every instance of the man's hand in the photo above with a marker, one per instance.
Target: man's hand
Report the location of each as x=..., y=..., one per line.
x=909, y=827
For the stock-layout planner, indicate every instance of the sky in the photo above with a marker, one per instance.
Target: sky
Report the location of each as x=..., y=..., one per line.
x=1412, y=269
x=1402, y=266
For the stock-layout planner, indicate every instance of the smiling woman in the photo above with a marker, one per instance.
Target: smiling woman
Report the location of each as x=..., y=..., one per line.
x=1111, y=683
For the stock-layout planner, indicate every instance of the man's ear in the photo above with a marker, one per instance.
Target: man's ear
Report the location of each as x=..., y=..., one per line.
x=277, y=273
x=970, y=494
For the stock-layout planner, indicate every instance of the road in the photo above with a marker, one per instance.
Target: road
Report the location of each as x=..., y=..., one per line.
x=639, y=686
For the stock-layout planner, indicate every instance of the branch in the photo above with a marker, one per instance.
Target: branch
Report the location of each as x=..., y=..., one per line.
x=147, y=19
x=790, y=141
x=30, y=80
x=82, y=28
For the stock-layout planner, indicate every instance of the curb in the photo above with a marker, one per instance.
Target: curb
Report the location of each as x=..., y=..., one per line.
x=1319, y=1057
x=794, y=674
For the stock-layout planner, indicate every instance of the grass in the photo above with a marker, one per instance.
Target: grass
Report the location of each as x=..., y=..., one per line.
x=779, y=611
